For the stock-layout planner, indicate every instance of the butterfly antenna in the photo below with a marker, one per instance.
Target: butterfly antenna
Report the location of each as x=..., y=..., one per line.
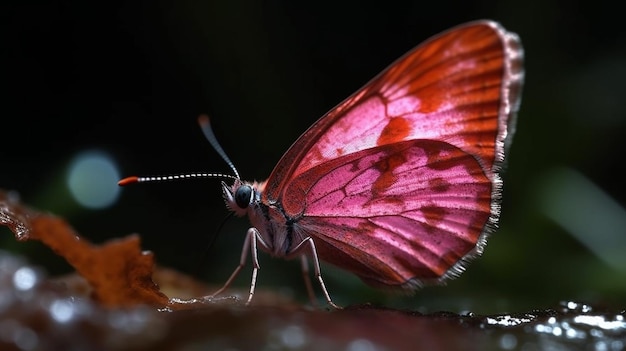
x=205, y=125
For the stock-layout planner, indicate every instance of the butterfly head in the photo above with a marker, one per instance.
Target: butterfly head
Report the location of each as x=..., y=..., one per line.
x=241, y=195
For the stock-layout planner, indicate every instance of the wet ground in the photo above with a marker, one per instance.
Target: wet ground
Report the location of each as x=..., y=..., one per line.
x=117, y=300
x=37, y=313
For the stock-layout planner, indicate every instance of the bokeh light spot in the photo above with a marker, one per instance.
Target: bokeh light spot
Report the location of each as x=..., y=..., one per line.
x=92, y=179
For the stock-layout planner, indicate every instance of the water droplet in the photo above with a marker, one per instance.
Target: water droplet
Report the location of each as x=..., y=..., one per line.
x=572, y=306
x=293, y=337
x=132, y=322
x=24, y=279
x=508, y=341
x=62, y=310
x=600, y=322
x=509, y=321
x=21, y=231
x=361, y=345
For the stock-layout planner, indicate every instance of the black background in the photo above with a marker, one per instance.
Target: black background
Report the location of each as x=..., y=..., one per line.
x=130, y=78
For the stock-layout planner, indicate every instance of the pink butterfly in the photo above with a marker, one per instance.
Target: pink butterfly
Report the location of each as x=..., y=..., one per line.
x=400, y=183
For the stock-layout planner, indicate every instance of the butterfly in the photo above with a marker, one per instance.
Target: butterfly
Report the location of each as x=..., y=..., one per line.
x=399, y=184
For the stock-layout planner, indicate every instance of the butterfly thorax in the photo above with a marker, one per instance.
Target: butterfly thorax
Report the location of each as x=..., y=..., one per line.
x=275, y=227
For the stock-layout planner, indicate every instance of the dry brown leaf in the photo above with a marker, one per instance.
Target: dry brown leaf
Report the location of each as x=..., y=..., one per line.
x=119, y=272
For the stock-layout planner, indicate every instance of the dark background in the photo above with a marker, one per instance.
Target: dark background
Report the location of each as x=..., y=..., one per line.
x=130, y=78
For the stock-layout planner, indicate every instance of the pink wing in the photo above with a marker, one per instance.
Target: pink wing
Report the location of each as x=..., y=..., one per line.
x=399, y=184
x=462, y=87
x=395, y=215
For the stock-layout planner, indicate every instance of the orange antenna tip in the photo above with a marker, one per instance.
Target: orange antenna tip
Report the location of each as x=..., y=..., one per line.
x=203, y=120
x=128, y=180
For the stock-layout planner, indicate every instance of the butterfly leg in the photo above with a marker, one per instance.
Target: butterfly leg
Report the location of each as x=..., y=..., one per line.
x=307, y=280
x=250, y=243
x=316, y=266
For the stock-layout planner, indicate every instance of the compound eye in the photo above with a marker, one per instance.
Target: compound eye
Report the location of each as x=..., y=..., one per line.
x=243, y=196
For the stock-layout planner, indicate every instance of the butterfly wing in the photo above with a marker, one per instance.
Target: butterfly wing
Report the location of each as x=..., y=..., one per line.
x=367, y=180
x=462, y=86
x=397, y=214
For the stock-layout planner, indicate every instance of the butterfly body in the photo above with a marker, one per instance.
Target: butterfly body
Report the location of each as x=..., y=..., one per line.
x=274, y=227
x=400, y=183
